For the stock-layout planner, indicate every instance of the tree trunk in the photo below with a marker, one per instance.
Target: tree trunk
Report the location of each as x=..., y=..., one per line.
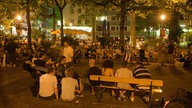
x=61, y=29
x=54, y=25
x=93, y=29
x=174, y=28
x=133, y=34
x=122, y=26
x=28, y=24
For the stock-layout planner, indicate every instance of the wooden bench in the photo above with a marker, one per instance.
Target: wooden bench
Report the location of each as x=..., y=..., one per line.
x=154, y=86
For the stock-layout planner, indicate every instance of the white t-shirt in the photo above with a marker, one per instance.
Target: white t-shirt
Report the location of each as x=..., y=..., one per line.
x=124, y=73
x=47, y=84
x=68, y=88
x=68, y=53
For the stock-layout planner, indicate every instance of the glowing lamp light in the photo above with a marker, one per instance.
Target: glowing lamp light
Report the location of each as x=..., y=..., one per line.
x=18, y=17
x=162, y=17
x=70, y=24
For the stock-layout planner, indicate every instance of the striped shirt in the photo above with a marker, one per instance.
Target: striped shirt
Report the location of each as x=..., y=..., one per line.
x=142, y=72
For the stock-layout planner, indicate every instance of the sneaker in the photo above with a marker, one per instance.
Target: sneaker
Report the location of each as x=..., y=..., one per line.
x=80, y=95
x=123, y=96
x=132, y=99
x=119, y=98
x=123, y=99
x=146, y=98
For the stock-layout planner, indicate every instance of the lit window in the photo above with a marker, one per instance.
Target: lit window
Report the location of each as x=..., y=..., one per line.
x=125, y=28
x=72, y=21
x=112, y=28
x=79, y=21
x=117, y=28
x=113, y=18
x=72, y=11
x=86, y=21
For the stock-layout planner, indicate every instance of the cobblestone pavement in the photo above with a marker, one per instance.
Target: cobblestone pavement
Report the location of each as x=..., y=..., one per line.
x=15, y=88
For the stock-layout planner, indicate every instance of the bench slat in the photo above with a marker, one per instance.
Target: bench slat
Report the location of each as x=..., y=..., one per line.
x=132, y=89
x=146, y=82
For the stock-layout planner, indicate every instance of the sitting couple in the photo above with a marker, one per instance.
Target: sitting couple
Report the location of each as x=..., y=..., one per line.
x=48, y=86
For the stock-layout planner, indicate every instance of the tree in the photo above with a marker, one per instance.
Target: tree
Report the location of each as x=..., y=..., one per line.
x=178, y=9
x=5, y=10
x=61, y=5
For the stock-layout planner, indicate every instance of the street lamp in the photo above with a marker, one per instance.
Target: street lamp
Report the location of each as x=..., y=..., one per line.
x=18, y=17
x=18, y=26
x=162, y=17
x=162, y=31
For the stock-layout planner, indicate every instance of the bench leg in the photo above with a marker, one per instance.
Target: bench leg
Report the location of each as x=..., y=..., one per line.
x=99, y=93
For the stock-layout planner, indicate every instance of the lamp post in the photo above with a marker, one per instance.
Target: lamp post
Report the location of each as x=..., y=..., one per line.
x=162, y=31
x=18, y=23
x=18, y=26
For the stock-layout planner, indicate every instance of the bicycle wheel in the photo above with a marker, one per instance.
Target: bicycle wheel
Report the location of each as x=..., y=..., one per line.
x=174, y=104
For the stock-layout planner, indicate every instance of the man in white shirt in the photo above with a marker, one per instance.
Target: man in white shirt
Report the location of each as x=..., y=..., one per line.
x=68, y=52
x=48, y=85
x=124, y=72
x=69, y=86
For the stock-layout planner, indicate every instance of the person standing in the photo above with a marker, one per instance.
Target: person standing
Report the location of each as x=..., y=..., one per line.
x=171, y=51
x=48, y=85
x=124, y=72
x=68, y=52
x=10, y=48
x=142, y=54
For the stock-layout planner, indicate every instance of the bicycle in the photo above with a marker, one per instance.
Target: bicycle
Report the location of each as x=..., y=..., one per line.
x=183, y=99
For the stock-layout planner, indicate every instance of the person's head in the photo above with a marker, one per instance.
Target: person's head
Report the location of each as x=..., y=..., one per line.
x=63, y=59
x=108, y=64
x=69, y=73
x=91, y=62
x=50, y=69
x=139, y=64
x=66, y=44
x=124, y=64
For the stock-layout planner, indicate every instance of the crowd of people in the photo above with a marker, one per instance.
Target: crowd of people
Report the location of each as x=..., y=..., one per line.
x=56, y=78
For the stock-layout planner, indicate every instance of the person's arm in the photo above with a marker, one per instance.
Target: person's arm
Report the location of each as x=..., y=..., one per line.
x=112, y=73
x=77, y=88
x=56, y=89
x=56, y=93
x=103, y=71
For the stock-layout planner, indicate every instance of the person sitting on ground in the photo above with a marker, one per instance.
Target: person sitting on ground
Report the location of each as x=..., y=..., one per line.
x=187, y=61
x=107, y=70
x=69, y=86
x=124, y=72
x=141, y=72
x=39, y=64
x=93, y=70
x=61, y=67
x=48, y=85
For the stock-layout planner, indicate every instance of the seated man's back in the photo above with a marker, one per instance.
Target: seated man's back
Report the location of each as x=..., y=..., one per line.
x=141, y=72
x=93, y=71
x=69, y=86
x=48, y=85
x=124, y=72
